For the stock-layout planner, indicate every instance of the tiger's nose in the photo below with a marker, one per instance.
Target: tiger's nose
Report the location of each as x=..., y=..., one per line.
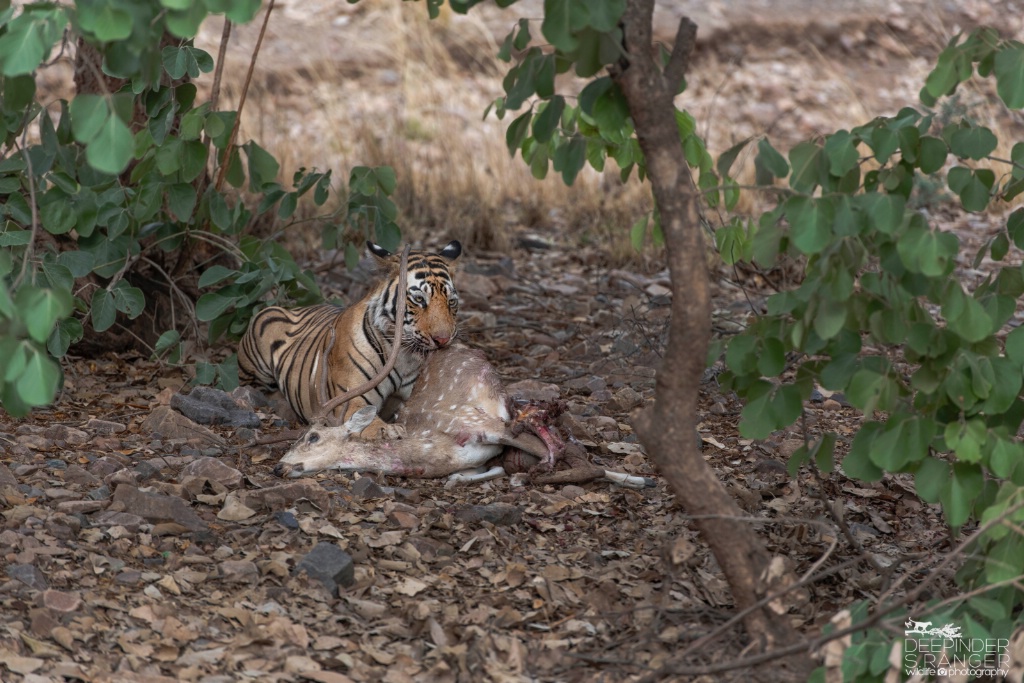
x=441, y=340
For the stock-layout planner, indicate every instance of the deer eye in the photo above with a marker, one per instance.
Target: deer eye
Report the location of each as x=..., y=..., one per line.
x=312, y=438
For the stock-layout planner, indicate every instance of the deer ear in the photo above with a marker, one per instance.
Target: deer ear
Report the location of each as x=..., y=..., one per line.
x=360, y=419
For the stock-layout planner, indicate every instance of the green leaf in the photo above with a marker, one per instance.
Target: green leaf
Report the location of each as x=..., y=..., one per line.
x=806, y=159
x=976, y=142
x=639, y=231
x=1009, y=70
x=107, y=22
x=181, y=201
x=770, y=159
x=103, y=311
x=263, y=167
x=931, y=478
x=842, y=153
x=971, y=186
x=933, y=154
x=728, y=157
x=1015, y=346
x=212, y=304
x=517, y=132
x=29, y=39
x=973, y=323
x=129, y=300
x=811, y=222
x=857, y=463
x=557, y=26
x=37, y=385
x=958, y=497
x=967, y=439
x=111, y=149
x=88, y=114
x=66, y=333
x=901, y=442
x=41, y=309
x=545, y=123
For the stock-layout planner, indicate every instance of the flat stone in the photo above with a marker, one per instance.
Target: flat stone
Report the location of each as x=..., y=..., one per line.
x=110, y=518
x=28, y=574
x=286, y=519
x=284, y=496
x=328, y=564
x=239, y=571
x=104, y=467
x=42, y=622
x=431, y=548
x=66, y=434
x=155, y=507
x=78, y=476
x=105, y=427
x=210, y=406
x=84, y=507
x=170, y=424
x=626, y=399
x=498, y=514
x=62, y=601
x=533, y=390
x=6, y=477
x=366, y=488
x=212, y=469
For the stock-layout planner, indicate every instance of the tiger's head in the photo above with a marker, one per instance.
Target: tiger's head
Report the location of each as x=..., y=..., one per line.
x=431, y=300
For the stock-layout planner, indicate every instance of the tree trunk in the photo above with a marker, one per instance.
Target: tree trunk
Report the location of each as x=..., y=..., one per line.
x=667, y=428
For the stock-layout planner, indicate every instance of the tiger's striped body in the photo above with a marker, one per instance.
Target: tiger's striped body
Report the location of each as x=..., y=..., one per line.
x=284, y=348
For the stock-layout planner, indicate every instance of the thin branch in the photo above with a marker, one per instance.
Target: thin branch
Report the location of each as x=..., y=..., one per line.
x=679, y=60
x=31, y=199
x=226, y=157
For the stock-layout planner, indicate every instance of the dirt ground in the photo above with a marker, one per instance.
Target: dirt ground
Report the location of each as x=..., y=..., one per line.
x=130, y=555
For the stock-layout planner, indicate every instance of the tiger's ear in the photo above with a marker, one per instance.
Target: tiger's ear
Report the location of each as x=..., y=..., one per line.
x=381, y=255
x=451, y=251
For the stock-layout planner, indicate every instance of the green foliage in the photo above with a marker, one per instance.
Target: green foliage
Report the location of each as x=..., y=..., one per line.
x=121, y=180
x=555, y=133
x=878, y=317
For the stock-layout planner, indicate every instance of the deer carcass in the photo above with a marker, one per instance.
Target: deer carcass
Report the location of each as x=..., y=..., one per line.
x=458, y=418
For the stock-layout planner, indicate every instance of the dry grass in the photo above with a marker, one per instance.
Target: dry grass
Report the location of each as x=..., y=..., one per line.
x=414, y=101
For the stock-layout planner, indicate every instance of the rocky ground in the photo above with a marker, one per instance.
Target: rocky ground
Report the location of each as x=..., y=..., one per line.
x=137, y=546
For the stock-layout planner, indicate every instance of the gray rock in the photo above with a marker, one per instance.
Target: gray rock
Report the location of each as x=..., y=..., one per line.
x=286, y=519
x=626, y=399
x=212, y=469
x=156, y=507
x=328, y=564
x=533, y=390
x=285, y=496
x=365, y=488
x=209, y=406
x=109, y=518
x=239, y=571
x=104, y=467
x=104, y=427
x=498, y=514
x=28, y=574
x=169, y=424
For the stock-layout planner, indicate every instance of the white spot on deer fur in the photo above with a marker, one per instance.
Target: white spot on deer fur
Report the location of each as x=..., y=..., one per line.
x=452, y=407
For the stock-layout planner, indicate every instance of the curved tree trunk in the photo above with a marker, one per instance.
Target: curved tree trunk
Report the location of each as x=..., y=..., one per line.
x=667, y=428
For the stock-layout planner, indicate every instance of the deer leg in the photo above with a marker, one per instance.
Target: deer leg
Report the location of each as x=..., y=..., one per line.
x=478, y=474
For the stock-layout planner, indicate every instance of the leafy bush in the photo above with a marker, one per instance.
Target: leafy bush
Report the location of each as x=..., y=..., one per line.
x=879, y=317
x=109, y=202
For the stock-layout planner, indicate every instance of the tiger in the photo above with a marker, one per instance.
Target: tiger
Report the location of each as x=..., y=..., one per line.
x=283, y=349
